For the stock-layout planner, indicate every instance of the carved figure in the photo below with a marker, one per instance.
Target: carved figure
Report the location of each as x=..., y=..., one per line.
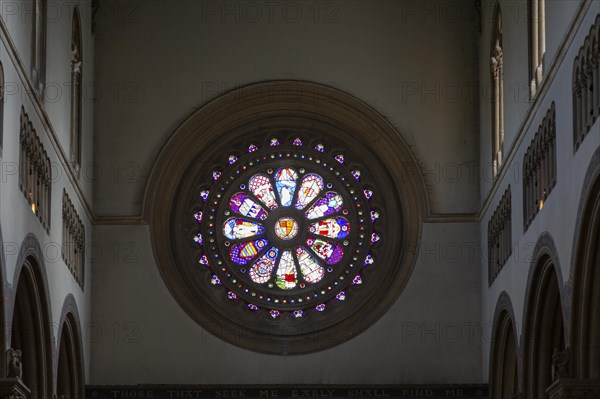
x=15, y=366
x=560, y=364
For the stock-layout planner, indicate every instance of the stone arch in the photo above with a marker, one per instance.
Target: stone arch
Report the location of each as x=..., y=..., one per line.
x=31, y=330
x=504, y=359
x=69, y=360
x=544, y=337
x=289, y=106
x=585, y=279
x=5, y=301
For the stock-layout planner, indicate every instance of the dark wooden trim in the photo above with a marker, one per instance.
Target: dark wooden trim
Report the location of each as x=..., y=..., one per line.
x=434, y=391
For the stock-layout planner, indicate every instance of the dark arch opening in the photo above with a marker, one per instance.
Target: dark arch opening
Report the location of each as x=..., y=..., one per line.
x=543, y=334
x=585, y=318
x=3, y=326
x=69, y=379
x=504, y=373
x=30, y=330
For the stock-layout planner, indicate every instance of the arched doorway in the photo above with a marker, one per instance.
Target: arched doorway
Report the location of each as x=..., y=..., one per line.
x=545, y=359
x=30, y=330
x=69, y=378
x=585, y=316
x=504, y=375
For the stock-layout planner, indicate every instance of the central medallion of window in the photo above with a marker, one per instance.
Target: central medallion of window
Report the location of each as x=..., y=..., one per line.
x=288, y=228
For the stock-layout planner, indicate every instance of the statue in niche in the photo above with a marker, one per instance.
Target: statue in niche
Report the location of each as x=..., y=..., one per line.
x=497, y=59
x=560, y=364
x=15, y=366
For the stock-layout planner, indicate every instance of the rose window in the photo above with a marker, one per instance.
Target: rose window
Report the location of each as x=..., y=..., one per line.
x=286, y=228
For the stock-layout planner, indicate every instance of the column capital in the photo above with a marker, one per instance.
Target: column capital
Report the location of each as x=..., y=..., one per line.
x=13, y=388
x=570, y=388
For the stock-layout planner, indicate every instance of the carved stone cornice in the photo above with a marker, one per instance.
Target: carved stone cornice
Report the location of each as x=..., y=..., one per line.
x=13, y=388
x=569, y=388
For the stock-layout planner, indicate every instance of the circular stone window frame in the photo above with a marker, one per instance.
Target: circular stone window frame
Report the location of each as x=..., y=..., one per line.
x=288, y=106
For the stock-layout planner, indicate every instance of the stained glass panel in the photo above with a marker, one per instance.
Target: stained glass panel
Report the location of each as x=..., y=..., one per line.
x=286, y=228
x=237, y=229
x=286, y=218
x=260, y=185
x=327, y=205
x=246, y=251
x=374, y=238
x=331, y=253
x=309, y=267
x=285, y=181
x=286, y=272
x=333, y=227
x=244, y=205
x=261, y=270
x=204, y=195
x=311, y=186
x=374, y=216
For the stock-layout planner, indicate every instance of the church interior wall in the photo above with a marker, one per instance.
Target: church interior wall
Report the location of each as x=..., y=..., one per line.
x=16, y=215
x=408, y=60
x=559, y=214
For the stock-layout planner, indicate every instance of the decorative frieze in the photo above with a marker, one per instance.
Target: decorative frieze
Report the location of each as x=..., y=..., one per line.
x=539, y=168
x=432, y=391
x=586, y=85
x=34, y=171
x=500, y=236
x=73, y=239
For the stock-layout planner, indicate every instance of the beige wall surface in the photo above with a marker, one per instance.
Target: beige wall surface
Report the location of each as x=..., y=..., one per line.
x=415, y=63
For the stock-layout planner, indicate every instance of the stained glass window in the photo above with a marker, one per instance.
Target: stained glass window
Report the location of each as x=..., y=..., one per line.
x=311, y=185
x=260, y=185
x=285, y=180
x=286, y=227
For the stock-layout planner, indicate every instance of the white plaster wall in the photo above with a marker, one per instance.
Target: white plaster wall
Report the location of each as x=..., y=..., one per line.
x=559, y=14
x=57, y=99
x=559, y=214
x=16, y=218
x=18, y=17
